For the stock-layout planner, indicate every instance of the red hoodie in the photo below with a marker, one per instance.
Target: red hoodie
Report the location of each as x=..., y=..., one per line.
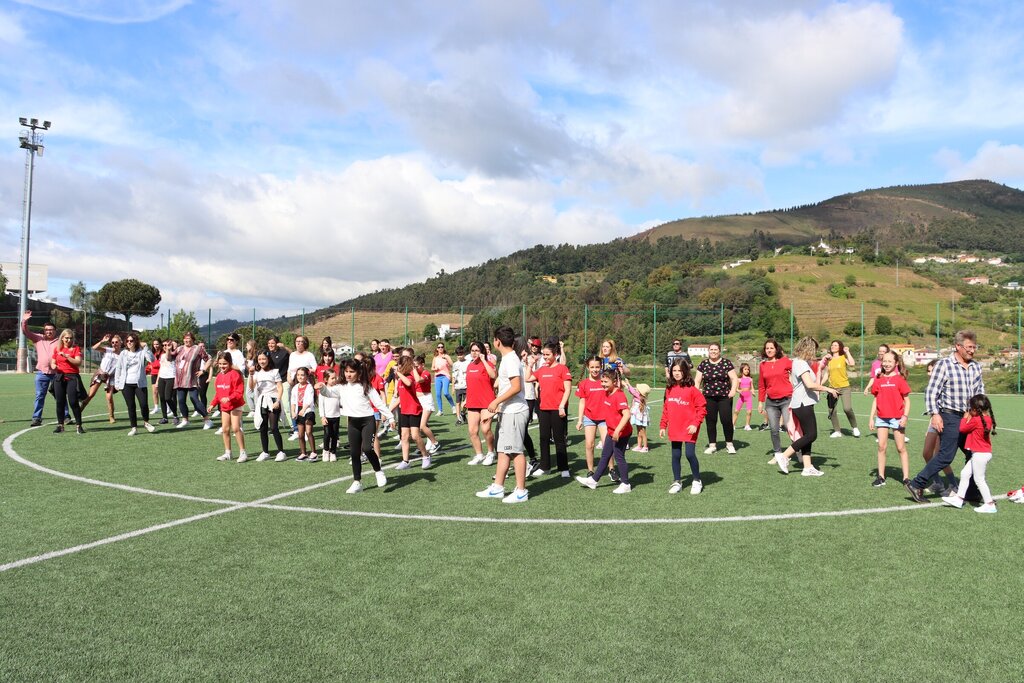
x=230, y=391
x=684, y=406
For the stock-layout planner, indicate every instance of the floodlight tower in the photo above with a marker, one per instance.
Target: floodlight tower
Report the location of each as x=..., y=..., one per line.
x=32, y=142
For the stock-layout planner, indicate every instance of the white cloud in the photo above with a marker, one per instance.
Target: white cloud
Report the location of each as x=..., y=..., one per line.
x=12, y=34
x=110, y=11
x=992, y=161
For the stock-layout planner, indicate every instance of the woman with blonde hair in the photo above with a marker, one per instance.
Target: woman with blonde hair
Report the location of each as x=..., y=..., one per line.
x=65, y=363
x=610, y=358
x=805, y=397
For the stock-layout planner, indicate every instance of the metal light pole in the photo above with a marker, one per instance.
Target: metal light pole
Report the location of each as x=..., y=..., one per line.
x=32, y=143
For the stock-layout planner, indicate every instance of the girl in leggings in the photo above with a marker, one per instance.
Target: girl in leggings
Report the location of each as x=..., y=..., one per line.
x=773, y=389
x=746, y=396
x=979, y=424
x=359, y=402
x=615, y=411
x=681, y=415
x=804, y=398
x=165, y=381
x=267, y=391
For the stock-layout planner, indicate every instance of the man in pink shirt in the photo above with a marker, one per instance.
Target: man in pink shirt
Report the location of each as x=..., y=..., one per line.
x=46, y=344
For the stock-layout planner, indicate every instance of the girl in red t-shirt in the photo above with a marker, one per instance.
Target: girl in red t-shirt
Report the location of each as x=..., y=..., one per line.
x=553, y=381
x=411, y=412
x=229, y=398
x=891, y=409
x=979, y=424
x=65, y=361
x=153, y=369
x=423, y=381
x=589, y=390
x=480, y=375
x=614, y=409
x=774, y=389
x=682, y=413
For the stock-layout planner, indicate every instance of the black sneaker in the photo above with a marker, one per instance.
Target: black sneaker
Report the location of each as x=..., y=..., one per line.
x=532, y=467
x=162, y=421
x=79, y=429
x=764, y=426
x=938, y=488
x=58, y=429
x=915, y=493
x=614, y=476
x=878, y=482
x=36, y=422
x=590, y=473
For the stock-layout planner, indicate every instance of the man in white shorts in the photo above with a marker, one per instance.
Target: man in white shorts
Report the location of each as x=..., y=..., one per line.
x=511, y=405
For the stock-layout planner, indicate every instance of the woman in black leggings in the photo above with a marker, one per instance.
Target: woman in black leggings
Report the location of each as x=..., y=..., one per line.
x=130, y=380
x=805, y=397
x=267, y=390
x=720, y=383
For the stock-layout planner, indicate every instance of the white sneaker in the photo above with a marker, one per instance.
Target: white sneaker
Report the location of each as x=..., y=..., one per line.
x=623, y=488
x=425, y=463
x=587, y=481
x=492, y=491
x=729, y=448
x=262, y=456
x=294, y=436
x=195, y=413
x=476, y=459
x=404, y=465
x=216, y=413
x=566, y=474
x=1016, y=496
x=132, y=432
x=220, y=430
x=281, y=457
x=696, y=487
x=356, y=487
x=856, y=432
x=710, y=449
x=381, y=479
x=537, y=473
x=517, y=496
x=812, y=472
x=783, y=462
x=334, y=457
x=676, y=487
x=953, y=501
x=835, y=435
x=149, y=428
x=242, y=457
x=181, y=423
x=987, y=507
x=224, y=457
x=489, y=459
x=208, y=424
x=433, y=447
x=156, y=409
x=748, y=428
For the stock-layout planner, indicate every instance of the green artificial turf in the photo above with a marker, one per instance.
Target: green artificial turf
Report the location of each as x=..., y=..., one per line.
x=269, y=594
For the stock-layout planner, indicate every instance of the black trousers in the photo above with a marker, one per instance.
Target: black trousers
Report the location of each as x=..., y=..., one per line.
x=65, y=390
x=269, y=426
x=331, y=434
x=165, y=390
x=361, y=432
x=133, y=393
x=552, y=424
x=719, y=409
x=809, y=427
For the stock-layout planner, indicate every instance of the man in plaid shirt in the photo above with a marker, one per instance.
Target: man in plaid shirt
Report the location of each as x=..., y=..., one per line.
x=955, y=379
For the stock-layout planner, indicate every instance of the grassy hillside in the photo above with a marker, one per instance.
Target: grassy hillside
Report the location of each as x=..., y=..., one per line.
x=377, y=325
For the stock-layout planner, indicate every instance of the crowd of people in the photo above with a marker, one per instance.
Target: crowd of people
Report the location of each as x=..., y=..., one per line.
x=497, y=395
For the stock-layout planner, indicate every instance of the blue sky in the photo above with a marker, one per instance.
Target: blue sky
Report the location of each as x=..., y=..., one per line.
x=241, y=153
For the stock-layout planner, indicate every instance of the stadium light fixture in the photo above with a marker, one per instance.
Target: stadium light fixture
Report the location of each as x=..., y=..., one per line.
x=31, y=141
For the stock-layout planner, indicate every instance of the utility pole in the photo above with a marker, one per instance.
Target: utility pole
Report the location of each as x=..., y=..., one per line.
x=32, y=143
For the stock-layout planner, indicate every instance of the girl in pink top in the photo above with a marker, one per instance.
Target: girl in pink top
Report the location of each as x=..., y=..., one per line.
x=979, y=424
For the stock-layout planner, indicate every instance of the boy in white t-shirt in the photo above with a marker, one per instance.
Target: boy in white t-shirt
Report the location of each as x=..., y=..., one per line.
x=511, y=405
x=459, y=382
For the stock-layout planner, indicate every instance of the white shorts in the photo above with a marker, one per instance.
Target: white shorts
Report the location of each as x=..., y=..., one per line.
x=512, y=433
x=427, y=401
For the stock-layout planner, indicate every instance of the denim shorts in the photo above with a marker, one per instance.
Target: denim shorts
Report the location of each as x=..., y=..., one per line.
x=587, y=422
x=891, y=422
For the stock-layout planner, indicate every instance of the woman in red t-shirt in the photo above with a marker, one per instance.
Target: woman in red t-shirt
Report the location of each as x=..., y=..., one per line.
x=411, y=412
x=774, y=389
x=480, y=374
x=66, y=360
x=553, y=381
x=229, y=398
x=614, y=409
x=588, y=391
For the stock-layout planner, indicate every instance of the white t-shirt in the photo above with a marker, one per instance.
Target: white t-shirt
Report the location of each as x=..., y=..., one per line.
x=530, y=388
x=300, y=359
x=237, y=361
x=166, y=367
x=511, y=367
x=266, y=383
x=459, y=373
x=802, y=396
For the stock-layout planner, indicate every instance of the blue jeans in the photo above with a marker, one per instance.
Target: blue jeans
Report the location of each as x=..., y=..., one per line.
x=442, y=384
x=193, y=394
x=42, y=386
x=949, y=441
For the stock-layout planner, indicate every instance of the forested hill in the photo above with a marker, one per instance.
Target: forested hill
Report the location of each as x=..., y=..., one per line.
x=968, y=214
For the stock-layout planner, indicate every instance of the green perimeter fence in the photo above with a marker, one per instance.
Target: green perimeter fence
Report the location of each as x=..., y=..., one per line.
x=642, y=334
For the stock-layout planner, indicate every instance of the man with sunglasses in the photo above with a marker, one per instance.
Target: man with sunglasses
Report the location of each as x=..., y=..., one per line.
x=675, y=354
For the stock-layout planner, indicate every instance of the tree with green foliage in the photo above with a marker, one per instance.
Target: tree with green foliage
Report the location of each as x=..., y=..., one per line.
x=3, y=281
x=182, y=322
x=82, y=300
x=883, y=325
x=430, y=331
x=129, y=297
x=852, y=329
